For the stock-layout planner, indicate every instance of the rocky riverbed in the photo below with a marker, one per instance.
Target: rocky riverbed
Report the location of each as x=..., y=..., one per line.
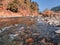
x=28, y=31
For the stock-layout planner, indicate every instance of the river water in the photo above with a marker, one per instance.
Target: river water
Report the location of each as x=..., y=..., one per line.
x=45, y=30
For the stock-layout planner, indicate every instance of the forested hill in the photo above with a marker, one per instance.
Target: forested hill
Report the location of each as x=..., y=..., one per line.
x=57, y=8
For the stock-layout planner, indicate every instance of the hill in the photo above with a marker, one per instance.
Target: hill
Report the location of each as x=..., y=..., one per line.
x=57, y=8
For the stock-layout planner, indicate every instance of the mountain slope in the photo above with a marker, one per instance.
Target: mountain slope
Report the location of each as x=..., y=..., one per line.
x=57, y=8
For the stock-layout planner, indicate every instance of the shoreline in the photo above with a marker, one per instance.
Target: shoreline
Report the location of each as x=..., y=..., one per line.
x=16, y=20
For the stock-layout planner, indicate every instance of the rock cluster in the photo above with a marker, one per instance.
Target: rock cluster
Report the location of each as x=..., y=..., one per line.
x=22, y=34
x=51, y=17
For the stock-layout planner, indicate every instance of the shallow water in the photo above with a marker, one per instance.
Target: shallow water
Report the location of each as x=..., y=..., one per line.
x=43, y=28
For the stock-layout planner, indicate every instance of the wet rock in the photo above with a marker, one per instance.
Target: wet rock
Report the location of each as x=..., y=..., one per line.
x=41, y=33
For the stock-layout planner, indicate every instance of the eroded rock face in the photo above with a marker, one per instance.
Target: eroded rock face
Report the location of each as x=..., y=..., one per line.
x=47, y=13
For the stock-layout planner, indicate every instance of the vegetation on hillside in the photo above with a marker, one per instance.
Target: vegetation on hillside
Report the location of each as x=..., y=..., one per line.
x=13, y=6
x=57, y=8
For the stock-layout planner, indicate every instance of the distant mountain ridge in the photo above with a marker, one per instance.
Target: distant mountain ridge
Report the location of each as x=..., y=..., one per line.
x=57, y=8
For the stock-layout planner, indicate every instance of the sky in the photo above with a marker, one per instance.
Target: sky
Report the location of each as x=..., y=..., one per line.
x=47, y=4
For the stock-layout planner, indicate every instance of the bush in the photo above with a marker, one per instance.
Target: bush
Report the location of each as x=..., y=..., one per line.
x=13, y=6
